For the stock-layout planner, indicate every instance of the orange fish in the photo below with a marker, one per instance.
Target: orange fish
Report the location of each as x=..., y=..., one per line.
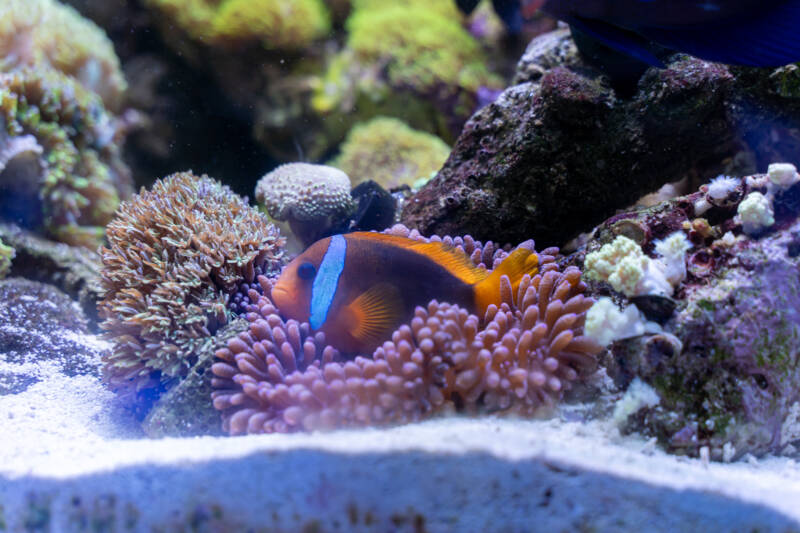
x=359, y=287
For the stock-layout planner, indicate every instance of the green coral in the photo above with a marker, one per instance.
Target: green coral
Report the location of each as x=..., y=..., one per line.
x=6, y=255
x=419, y=48
x=82, y=176
x=46, y=33
x=389, y=152
x=407, y=61
x=176, y=255
x=274, y=23
x=445, y=8
x=278, y=24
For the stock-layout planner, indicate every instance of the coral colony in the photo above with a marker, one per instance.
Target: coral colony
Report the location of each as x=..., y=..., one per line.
x=176, y=256
x=59, y=155
x=387, y=151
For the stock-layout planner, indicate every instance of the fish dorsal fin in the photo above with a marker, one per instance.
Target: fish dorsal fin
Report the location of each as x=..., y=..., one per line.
x=518, y=263
x=375, y=313
x=448, y=257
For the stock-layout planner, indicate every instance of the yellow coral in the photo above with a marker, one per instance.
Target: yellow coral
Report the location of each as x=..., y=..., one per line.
x=46, y=33
x=282, y=25
x=277, y=24
x=621, y=263
x=446, y=8
x=387, y=151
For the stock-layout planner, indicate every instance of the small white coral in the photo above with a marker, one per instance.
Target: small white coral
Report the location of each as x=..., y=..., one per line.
x=638, y=396
x=606, y=323
x=755, y=213
x=782, y=176
x=673, y=256
x=623, y=264
x=721, y=186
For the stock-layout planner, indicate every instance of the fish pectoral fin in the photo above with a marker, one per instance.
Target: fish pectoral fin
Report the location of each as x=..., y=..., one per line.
x=375, y=313
x=767, y=38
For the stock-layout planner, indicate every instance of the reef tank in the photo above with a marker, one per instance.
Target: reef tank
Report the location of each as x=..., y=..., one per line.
x=399, y=266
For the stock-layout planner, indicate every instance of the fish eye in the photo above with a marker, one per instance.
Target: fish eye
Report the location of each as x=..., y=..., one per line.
x=306, y=271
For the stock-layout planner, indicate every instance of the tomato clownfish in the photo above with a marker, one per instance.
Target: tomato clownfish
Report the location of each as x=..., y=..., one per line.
x=359, y=287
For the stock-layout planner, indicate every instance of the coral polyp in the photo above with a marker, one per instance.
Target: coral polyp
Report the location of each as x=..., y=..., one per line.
x=176, y=254
x=519, y=358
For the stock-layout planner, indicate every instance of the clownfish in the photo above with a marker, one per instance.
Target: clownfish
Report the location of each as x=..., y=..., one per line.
x=359, y=287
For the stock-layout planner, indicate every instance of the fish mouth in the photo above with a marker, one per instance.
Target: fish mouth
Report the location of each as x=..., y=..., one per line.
x=278, y=292
x=279, y=295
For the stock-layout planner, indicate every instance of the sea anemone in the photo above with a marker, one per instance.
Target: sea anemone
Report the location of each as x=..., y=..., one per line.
x=176, y=255
x=519, y=358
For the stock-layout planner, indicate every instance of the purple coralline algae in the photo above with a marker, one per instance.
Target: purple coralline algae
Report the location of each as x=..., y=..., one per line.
x=725, y=365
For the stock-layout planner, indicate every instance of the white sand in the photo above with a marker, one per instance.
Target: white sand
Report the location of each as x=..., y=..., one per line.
x=64, y=434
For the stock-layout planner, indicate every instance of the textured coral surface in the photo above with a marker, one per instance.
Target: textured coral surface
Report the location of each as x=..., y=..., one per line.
x=60, y=156
x=176, y=255
x=48, y=34
x=387, y=151
x=519, y=358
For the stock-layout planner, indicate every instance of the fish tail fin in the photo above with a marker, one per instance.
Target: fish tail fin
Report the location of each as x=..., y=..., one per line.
x=521, y=261
x=769, y=37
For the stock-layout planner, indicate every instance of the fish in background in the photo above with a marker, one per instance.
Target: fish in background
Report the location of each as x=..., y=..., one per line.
x=763, y=33
x=359, y=287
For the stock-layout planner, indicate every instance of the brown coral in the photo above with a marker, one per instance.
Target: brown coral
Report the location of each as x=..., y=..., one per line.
x=520, y=358
x=314, y=199
x=176, y=255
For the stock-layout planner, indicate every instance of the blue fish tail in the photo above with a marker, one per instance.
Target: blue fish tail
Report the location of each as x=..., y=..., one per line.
x=768, y=38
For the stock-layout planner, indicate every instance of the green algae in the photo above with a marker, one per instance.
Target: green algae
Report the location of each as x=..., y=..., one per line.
x=6, y=256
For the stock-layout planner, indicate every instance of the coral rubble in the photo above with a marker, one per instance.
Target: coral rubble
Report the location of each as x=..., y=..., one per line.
x=59, y=156
x=176, y=254
x=387, y=151
x=42, y=332
x=519, y=358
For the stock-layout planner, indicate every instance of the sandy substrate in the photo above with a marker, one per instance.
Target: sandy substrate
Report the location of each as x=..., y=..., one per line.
x=72, y=461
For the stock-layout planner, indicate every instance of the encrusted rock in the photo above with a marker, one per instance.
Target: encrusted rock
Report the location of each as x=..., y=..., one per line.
x=42, y=331
x=561, y=150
